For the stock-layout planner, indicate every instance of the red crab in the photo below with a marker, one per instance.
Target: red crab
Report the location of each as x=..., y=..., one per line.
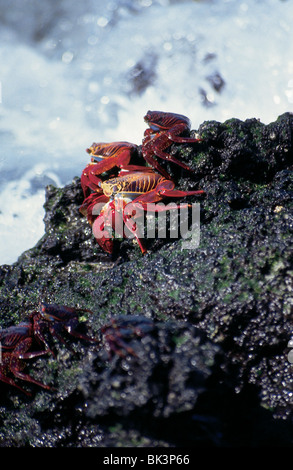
x=104, y=157
x=119, y=331
x=164, y=128
x=129, y=192
x=28, y=340
x=16, y=345
x=57, y=319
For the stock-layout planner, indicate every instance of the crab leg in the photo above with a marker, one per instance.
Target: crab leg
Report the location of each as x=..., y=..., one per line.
x=88, y=205
x=11, y=382
x=21, y=352
x=174, y=135
x=154, y=164
x=28, y=378
x=156, y=194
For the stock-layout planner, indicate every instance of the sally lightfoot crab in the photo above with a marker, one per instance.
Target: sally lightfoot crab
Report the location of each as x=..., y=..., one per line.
x=105, y=157
x=164, y=129
x=29, y=339
x=18, y=344
x=129, y=195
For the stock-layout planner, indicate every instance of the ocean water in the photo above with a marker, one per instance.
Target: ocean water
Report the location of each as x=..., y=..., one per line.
x=72, y=73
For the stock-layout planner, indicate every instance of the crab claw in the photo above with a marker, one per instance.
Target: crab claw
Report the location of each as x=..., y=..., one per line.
x=89, y=180
x=102, y=236
x=90, y=205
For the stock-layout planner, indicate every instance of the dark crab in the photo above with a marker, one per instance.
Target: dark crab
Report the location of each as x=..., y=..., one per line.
x=121, y=330
x=18, y=344
x=57, y=319
x=29, y=339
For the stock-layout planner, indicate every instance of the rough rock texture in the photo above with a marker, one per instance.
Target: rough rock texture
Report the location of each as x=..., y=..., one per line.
x=214, y=368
